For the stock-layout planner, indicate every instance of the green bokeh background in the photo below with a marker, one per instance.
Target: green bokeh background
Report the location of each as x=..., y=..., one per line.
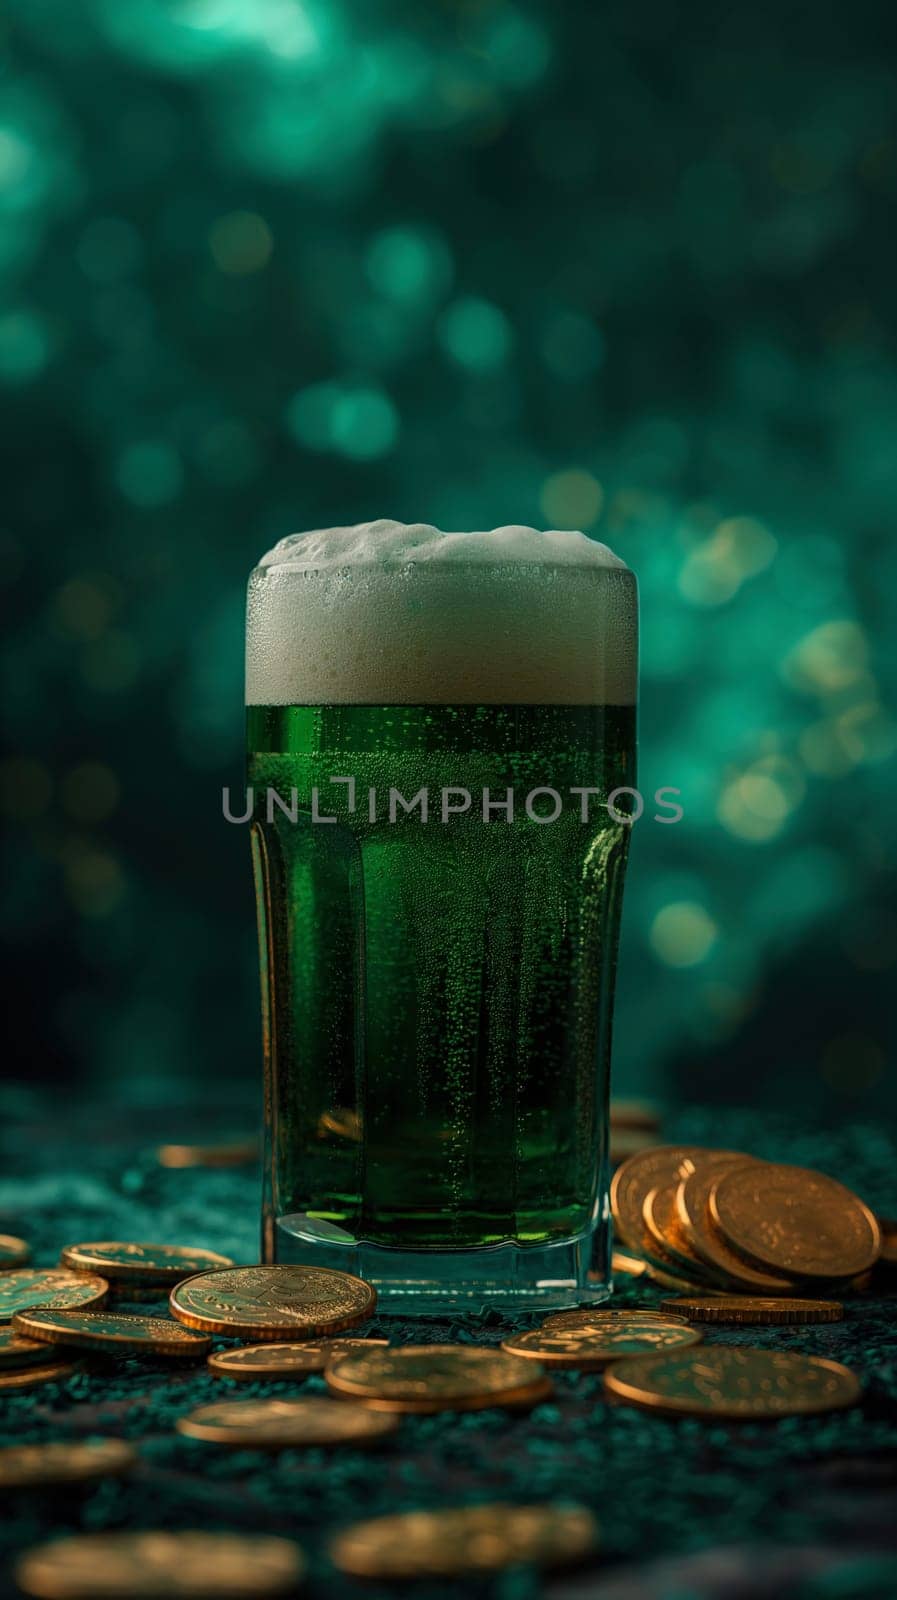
x=270, y=264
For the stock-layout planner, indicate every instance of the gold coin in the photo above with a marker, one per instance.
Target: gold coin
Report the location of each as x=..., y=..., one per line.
x=124, y=1265
x=795, y=1221
x=13, y=1252
x=887, y=1253
x=281, y=1362
x=267, y=1302
x=437, y=1377
x=469, y=1539
x=31, y=1377
x=239, y=1153
x=628, y=1266
x=634, y=1114
x=632, y=1181
x=31, y=1286
x=285, y=1424
x=692, y=1209
x=745, y=1308
x=17, y=1352
x=666, y=1231
x=738, y=1384
x=461, y=1541
x=30, y=1465
x=589, y=1348
x=161, y=1566
x=111, y=1333
x=600, y=1316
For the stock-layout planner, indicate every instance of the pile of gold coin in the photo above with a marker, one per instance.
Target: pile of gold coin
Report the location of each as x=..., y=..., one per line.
x=693, y=1218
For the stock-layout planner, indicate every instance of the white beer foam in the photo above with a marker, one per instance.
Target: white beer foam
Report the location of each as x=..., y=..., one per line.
x=388, y=613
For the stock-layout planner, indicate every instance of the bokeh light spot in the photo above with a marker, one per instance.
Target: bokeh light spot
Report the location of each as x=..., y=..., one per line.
x=241, y=242
x=714, y=570
x=683, y=934
x=149, y=474
x=756, y=805
x=358, y=421
x=476, y=334
x=84, y=606
x=412, y=265
x=571, y=499
x=831, y=657
x=24, y=347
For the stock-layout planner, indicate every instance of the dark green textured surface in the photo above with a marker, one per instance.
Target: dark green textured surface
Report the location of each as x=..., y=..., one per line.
x=659, y=1488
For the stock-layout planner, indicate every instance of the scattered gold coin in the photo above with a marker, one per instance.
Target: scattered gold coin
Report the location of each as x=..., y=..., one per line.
x=111, y=1333
x=78, y=1461
x=32, y=1377
x=157, y=1566
x=279, y=1362
x=267, y=1302
x=472, y=1539
x=13, y=1252
x=737, y=1384
x=795, y=1221
x=30, y=1286
x=591, y=1347
x=17, y=1352
x=239, y=1153
x=743, y=1308
x=284, y=1424
x=437, y=1377
x=634, y=1180
x=141, y=1265
x=666, y=1231
x=600, y=1316
x=692, y=1203
x=628, y=1266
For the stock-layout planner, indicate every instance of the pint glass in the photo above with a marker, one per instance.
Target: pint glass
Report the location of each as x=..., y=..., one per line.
x=438, y=729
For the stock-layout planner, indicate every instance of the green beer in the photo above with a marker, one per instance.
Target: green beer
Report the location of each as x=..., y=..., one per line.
x=439, y=883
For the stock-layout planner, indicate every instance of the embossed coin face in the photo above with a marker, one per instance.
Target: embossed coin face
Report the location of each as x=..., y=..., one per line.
x=17, y=1352
x=282, y=1362
x=437, y=1377
x=141, y=1264
x=268, y=1302
x=600, y=1318
x=795, y=1221
x=738, y=1384
x=450, y=1543
x=634, y=1180
x=284, y=1424
x=78, y=1461
x=589, y=1348
x=692, y=1202
x=746, y=1308
x=55, y=1286
x=159, y=1566
x=112, y=1333
x=13, y=1252
x=32, y=1377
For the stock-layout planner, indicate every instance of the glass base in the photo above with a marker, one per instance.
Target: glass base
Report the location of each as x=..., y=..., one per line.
x=506, y=1277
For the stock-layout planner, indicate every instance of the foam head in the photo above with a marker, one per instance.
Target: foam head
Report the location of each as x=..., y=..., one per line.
x=388, y=613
